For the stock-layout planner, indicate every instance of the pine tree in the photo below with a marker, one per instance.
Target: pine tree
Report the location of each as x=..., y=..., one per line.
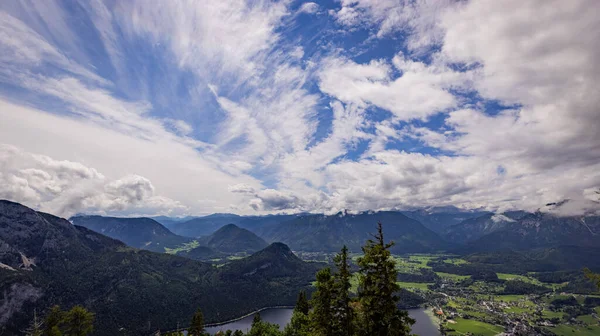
x=302, y=303
x=78, y=322
x=321, y=316
x=299, y=324
x=35, y=328
x=53, y=321
x=262, y=328
x=341, y=304
x=381, y=316
x=197, y=325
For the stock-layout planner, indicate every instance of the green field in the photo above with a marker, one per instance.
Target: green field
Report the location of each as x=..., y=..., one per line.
x=414, y=285
x=552, y=314
x=185, y=247
x=588, y=319
x=510, y=298
x=463, y=327
x=455, y=261
x=564, y=330
x=451, y=276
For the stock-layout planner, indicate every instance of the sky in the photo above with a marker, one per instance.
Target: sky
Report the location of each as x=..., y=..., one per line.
x=180, y=108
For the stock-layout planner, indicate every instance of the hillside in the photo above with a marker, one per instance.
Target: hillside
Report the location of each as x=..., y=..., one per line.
x=233, y=239
x=46, y=261
x=540, y=230
x=201, y=253
x=474, y=228
x=321, y=233
x=203, y=226
x=142, y=233
x=439, y=219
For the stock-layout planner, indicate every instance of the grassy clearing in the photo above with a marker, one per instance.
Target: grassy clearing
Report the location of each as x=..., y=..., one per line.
x=454, y=277
x=184, y=247
x=463, y=327
x=552, y=314
x=564, y=330
x=455, y=261
x=414, y=285
x=587, y=319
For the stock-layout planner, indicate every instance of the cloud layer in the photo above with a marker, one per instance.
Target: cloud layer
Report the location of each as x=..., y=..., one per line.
x=263, y=106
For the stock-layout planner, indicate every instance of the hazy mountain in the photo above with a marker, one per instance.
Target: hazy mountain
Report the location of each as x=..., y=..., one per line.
x=207, y=225
x=475, y=228
x=439, y=219
x=540, y=230
x=203, y=226
x=233, y=239
x=168, y=222
x=330, y=233
x=46, y=260
x=142, y=232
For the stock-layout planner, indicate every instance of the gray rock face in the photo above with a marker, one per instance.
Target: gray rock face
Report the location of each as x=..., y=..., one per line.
x=14, y=297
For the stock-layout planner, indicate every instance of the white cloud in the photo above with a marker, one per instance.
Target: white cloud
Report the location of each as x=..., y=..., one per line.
x=216, y=37
x=65, y=187
x=309, y=8
x=176, y=169
x=258, y=96
x=420, y=91
x=417, y=18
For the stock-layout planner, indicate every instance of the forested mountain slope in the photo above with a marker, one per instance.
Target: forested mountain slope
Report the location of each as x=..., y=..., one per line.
x=142, y=232
x=233, y=239
x=46, y=260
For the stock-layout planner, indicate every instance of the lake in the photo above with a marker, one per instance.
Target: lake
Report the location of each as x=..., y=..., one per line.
x=423, y=327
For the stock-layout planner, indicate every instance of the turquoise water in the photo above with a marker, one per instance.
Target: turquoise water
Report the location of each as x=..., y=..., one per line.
x=282, y=316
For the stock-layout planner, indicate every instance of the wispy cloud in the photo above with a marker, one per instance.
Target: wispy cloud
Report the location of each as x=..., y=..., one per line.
x=262, y=106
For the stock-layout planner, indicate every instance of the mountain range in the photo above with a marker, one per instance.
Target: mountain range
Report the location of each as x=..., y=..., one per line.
x=46, y=260
x=143, y=233
x=328, y=233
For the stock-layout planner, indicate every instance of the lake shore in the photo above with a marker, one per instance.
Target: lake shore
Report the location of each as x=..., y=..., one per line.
x=434, y=320
x=217, y=324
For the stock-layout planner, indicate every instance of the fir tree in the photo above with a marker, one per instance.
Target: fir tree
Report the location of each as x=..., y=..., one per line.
x=381, y=316
x=78, y=322
x=35, y=328
x=299, y=324
x=302, y=303
x=197, y=325
x=53, y=321
x=262, y=328
x=322, y=315
x=341, y=303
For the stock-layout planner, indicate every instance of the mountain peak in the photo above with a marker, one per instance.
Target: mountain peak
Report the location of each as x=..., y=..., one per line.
x=279, y=248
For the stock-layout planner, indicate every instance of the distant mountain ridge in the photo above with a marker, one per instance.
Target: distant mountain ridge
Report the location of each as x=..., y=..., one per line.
x=439, y=219
x=233, y=239
x=140, y=232
x=539, y=230
x=330, y=232
x=203, y=226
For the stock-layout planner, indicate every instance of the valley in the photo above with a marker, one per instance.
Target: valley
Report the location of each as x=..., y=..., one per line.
x=236, y=268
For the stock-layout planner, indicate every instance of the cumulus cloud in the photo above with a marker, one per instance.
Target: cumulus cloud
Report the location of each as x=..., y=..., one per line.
x=309, y=8
x=420, y=91
x=66, y=187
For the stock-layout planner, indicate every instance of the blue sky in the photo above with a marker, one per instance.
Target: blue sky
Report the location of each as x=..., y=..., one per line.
x=188, y=107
